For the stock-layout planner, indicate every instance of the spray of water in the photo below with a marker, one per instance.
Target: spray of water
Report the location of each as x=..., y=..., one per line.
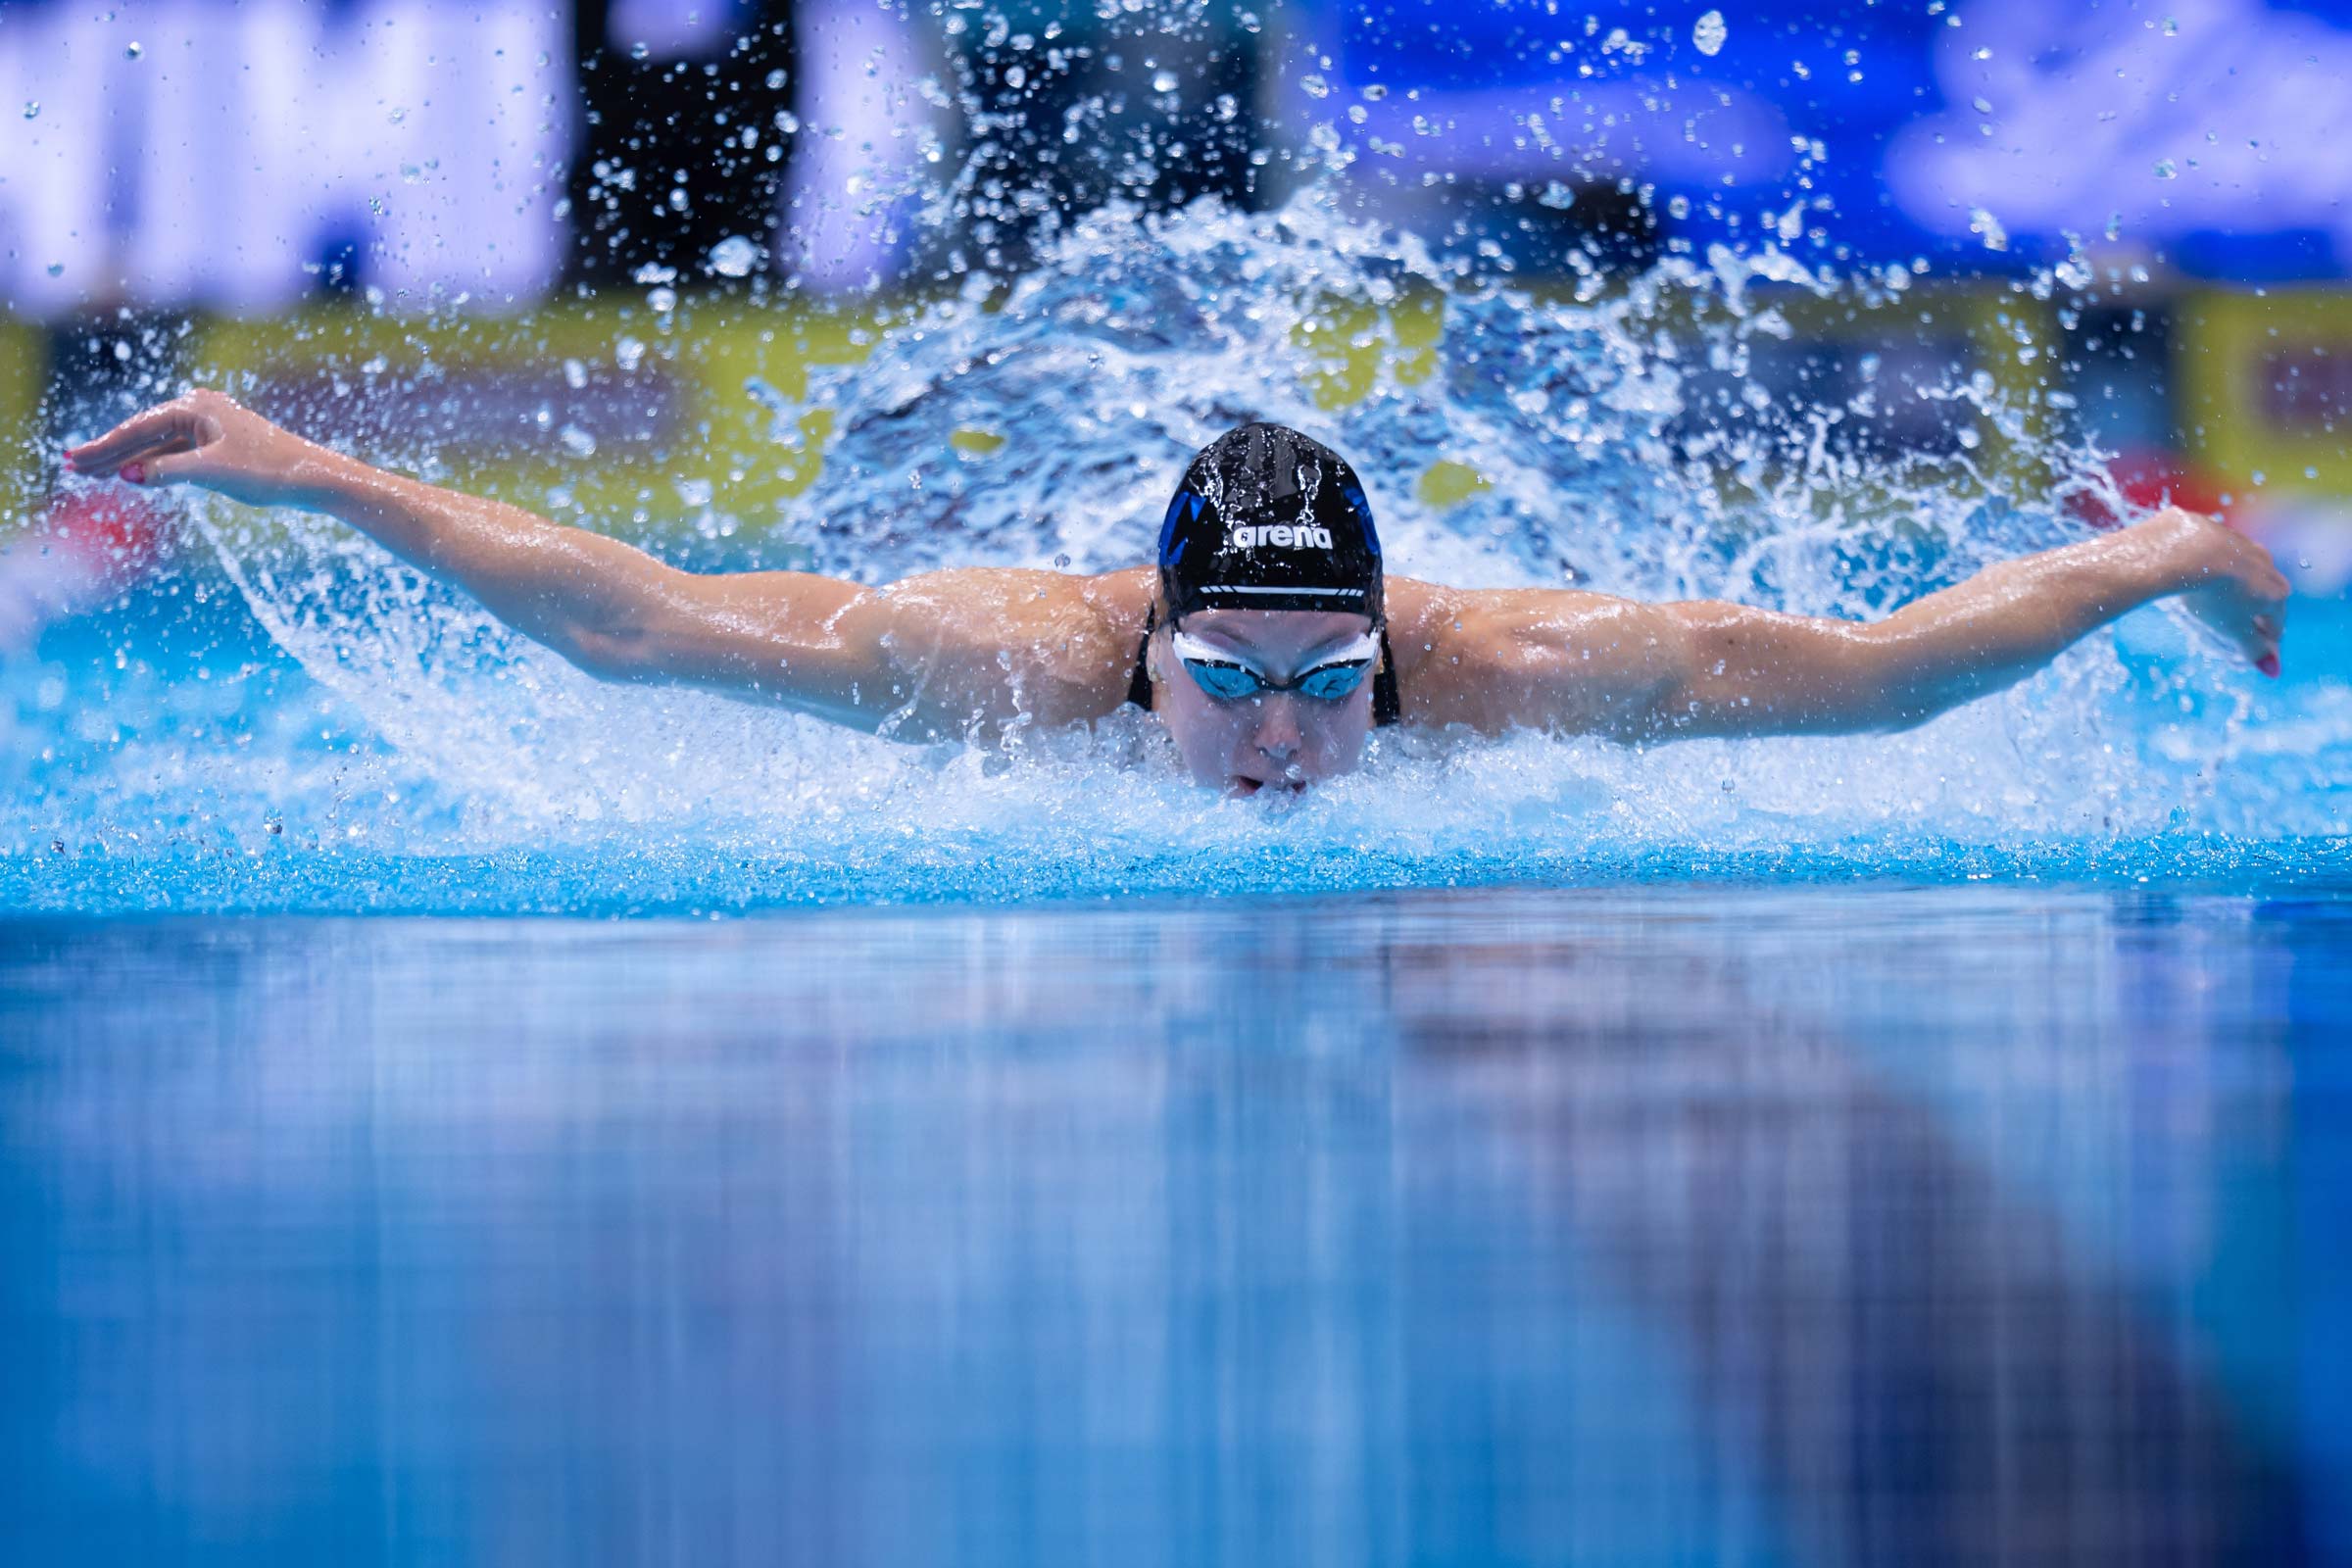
x=1599, y=430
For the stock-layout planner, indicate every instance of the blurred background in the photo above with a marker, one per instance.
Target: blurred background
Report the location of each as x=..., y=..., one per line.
x=579, y=253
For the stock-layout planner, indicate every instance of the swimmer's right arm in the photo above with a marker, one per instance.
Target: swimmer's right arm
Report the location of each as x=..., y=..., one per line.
x=930, y=657
x=1582, y=661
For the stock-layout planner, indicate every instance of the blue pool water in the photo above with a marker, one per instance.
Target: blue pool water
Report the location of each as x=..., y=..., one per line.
x=727, y=1139
x=1636, y=1225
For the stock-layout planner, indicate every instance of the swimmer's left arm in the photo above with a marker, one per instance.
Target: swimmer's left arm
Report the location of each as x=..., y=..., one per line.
x=941, y=655
x=1589, y=663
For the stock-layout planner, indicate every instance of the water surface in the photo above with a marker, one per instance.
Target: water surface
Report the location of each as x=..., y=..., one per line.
x=1749, y=1225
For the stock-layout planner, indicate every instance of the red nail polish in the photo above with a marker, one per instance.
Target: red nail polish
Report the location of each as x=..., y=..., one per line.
x=2268, y=663
x=135, y=473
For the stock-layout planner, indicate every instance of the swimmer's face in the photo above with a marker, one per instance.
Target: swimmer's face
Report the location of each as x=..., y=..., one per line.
x=1274, y=739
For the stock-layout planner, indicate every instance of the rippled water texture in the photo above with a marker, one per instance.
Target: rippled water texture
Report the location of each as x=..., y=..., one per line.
x=1767, y=1226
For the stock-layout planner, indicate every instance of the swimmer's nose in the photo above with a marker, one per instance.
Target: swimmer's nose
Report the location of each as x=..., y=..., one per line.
x=1278, y=728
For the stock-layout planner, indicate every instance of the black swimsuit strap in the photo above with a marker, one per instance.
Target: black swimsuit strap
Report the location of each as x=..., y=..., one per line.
x=1139, y=684
x=1388, y=701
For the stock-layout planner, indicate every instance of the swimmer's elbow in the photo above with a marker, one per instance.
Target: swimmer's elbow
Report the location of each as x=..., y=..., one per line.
x=619, y=658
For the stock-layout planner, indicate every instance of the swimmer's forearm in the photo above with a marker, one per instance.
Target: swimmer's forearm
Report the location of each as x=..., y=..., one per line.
x=1753, y=672
x=421, y=524
x=2011, y=619
x=615, y=611
x=575, y=591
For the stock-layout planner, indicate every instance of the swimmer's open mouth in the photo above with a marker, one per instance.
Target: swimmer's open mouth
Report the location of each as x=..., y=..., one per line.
x=1243, y=784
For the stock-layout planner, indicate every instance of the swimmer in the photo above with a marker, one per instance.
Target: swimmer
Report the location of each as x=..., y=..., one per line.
x=1268, y=639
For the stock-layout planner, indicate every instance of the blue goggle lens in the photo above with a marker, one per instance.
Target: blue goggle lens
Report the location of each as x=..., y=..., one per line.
x=1332, y=682
x=1229, y=683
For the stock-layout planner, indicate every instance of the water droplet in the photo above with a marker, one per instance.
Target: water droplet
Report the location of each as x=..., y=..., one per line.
x=2165, y=169
x=131, y=50
x=577, y=441
x=734, y=257
x=627, y=352
x=32, y=111
x=1061, y=563
x=1166, y=81
x=57, y=268
x=1709, y=32
x=1315, y=85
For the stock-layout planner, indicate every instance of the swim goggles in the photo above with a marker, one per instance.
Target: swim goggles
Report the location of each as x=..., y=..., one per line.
x=1227, y=679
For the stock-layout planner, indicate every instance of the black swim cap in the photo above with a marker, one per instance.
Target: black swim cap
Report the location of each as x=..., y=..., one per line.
x=1269, y=520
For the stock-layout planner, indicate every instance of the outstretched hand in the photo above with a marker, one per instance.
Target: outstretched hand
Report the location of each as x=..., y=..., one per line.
x=203, y=438
x=2229, y=582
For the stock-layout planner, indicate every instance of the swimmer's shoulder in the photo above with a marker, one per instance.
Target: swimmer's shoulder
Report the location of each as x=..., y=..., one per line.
x=1097, y=631
x=1432, y=623
x=1121, y=599
x=1491, y=656
x=1090, y=630
x=1063, y=644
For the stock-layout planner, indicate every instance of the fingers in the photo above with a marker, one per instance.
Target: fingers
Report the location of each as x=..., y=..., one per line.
x=2265, y=591
x=186, y=422
x=169, y=469
x=2263, y=646
x=173, y=427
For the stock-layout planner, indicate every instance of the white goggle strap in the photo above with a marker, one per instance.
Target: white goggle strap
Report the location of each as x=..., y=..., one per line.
x=1363, y=651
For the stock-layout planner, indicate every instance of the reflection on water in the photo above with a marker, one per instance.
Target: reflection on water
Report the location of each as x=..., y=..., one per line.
x=1743, y=1226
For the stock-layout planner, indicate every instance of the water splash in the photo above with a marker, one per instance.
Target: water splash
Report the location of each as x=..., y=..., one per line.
x=390, y=745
